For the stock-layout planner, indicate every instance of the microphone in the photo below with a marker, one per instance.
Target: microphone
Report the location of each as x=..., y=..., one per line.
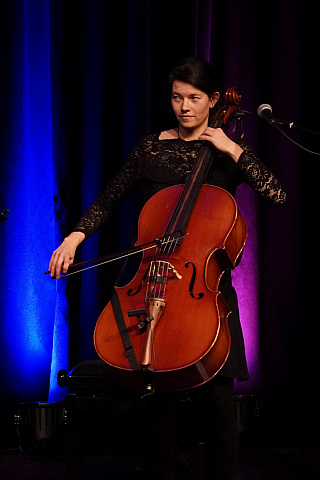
x=265, y=112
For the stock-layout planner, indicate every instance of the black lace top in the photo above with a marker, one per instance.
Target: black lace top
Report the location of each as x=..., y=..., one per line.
x=161, y=163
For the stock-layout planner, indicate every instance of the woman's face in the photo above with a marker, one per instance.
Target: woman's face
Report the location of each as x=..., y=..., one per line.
x=191, y=106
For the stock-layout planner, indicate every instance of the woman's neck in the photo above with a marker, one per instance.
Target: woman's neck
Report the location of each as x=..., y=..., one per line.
x=189, y=134
x=179, y=133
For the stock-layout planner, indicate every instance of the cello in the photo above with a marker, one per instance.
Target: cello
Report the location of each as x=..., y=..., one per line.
x=167, y=329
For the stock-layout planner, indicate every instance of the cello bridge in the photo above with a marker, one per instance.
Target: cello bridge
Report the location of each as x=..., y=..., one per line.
x=159, y=272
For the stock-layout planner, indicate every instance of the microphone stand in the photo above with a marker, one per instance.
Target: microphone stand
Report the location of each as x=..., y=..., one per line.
x=276, y=124
x=293, y=125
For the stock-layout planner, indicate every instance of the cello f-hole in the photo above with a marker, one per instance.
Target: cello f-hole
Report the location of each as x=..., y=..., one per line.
x=193, y=277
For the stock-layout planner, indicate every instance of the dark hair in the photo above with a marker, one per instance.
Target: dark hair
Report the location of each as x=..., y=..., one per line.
x=197, y=72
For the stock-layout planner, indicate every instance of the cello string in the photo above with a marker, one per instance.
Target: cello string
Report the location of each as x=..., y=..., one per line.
x=156, y=286
x=158, y=276
x=160, y=267
x=150, y=284
x=172, y=245
x=164, y=270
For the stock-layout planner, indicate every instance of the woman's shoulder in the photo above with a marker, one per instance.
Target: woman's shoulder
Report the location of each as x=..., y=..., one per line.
x=171, y=134
x=163, y=135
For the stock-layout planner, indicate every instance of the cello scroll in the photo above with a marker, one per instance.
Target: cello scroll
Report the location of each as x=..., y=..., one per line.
x=230, y=111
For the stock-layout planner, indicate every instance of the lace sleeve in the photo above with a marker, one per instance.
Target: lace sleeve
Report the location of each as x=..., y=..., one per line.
x=260, y=178
x=103, y=206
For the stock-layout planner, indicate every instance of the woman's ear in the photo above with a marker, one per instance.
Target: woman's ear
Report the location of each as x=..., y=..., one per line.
x=214, y=98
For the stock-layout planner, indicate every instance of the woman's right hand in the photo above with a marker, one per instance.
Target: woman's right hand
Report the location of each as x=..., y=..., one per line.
x=63, y=256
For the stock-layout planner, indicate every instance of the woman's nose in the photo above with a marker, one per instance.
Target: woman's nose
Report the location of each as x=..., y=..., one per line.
x=185, y=104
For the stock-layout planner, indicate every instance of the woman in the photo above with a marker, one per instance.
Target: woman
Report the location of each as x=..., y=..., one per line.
x=167, y=159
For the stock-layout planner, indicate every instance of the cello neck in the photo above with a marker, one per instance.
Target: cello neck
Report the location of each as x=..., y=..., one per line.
x=183, y=210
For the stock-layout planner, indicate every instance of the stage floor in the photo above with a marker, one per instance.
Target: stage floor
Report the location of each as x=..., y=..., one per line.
x=282, y=443
x=294, y=462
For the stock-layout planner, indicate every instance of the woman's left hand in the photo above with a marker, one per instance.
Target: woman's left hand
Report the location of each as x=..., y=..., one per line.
x=222, y=142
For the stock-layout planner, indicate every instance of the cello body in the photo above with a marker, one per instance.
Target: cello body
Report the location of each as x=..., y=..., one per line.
x=180, y=334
